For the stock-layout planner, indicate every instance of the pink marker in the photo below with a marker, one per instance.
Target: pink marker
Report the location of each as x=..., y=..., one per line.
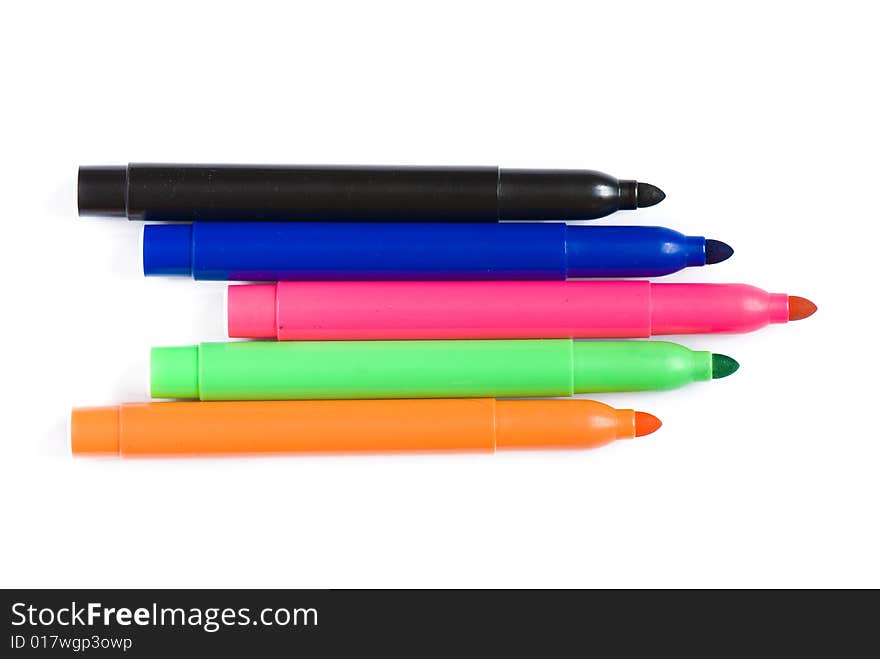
x=369, y=310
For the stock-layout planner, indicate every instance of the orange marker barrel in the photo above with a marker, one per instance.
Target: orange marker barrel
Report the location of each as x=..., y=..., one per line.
x=350, y=426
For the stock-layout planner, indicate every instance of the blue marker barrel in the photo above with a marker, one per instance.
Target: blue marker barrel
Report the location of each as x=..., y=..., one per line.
x=291, y=251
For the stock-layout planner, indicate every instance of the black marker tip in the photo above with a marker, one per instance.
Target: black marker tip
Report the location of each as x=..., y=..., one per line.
x=717, y=251
x=648, y=195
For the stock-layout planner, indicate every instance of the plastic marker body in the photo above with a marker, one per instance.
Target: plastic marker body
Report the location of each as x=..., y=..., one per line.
x=354, y=193
x=272, y=251
x=353, y=426
x=291, y=311
x=274, y=370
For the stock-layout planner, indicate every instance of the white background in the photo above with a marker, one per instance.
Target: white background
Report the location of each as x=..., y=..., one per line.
x=759, y=120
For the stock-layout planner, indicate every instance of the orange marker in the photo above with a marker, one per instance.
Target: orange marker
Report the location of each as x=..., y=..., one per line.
x=336, y=426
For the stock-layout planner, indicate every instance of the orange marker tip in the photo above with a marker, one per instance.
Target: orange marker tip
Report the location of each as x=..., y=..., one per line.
x=646, y=424
x=800, y=308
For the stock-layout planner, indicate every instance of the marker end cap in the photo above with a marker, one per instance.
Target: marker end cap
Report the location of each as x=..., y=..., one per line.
x=94, y=430
x=101, y=191
x=168, y=250
x=174, y=372
x=250, y=312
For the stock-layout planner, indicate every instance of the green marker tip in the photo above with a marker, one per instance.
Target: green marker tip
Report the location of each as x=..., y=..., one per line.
x=722, y=366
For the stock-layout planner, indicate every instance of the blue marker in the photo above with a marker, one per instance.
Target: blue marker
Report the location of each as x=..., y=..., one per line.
x=281, y=251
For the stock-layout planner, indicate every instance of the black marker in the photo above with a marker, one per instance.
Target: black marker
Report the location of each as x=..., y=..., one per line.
x=184, y=193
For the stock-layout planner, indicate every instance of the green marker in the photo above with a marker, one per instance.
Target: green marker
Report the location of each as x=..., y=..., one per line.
x=270, y=370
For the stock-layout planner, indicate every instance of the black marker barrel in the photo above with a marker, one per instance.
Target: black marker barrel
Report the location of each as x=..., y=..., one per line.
x=184, y=193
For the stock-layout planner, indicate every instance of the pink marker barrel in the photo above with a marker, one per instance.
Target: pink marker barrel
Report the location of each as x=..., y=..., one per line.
x=367, y=310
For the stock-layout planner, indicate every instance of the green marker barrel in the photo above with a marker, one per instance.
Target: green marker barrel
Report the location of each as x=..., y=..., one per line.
x=425, y=369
